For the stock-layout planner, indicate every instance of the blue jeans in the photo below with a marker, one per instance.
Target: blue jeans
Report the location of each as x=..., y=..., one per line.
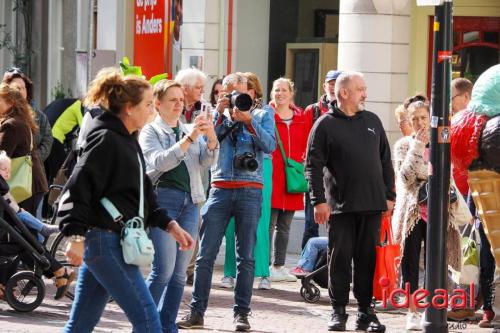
x=168, y=273
x=31, y=222
x=104, y=274
x=244, y=204
x=311, y=228
x=311, y=252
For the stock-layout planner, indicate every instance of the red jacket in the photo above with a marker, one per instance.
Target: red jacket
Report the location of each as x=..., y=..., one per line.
x=294, y=139
x=322, y=106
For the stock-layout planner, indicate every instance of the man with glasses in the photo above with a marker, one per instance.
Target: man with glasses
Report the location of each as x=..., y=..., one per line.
x=461, y=90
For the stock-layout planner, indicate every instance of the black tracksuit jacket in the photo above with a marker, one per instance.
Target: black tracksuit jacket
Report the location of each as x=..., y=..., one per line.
x=356, y=152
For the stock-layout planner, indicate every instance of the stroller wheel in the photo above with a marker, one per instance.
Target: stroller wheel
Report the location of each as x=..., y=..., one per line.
x=310, y=295
x=24, y=291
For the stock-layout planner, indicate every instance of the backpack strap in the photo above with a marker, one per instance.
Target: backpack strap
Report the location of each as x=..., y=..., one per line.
x=316, y=112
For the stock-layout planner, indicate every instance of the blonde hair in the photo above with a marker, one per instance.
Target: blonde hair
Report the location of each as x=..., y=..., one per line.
x=400, y=112
x=114, y=91
x=4, y=158
x=161, y=88
x=288, y=82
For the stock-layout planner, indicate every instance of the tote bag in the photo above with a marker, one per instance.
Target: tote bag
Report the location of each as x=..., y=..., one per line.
x=387, y=261
x=21, y=179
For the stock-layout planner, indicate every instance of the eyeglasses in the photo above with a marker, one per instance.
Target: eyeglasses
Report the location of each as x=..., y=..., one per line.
x=453, y=97
x=15, y=70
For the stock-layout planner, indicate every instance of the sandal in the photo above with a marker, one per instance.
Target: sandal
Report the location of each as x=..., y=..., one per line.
x=62, y=289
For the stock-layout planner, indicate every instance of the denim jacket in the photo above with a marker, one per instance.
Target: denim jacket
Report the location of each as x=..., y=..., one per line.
x=243, y=141
x=162, y=153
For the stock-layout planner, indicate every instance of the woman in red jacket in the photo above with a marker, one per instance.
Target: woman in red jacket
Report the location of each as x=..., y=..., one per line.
x=292, y=129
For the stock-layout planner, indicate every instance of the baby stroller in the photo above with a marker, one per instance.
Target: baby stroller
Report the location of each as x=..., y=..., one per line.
x=22, y=262
x=309, y=292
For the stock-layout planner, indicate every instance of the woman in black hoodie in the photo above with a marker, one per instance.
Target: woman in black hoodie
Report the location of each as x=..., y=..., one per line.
x=109, y=167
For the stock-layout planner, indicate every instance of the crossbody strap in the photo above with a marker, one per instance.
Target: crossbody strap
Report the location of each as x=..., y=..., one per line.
x=280, y=144
x=141, y=188
x=111, y=208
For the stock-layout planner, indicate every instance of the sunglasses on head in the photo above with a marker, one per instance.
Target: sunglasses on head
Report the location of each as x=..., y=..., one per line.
x=417, y=98
x=15, y=70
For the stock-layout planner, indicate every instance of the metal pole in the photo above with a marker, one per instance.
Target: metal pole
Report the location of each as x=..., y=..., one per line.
x=90, y=41
x=439, y=178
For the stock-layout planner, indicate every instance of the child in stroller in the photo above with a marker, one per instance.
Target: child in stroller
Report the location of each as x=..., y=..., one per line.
x=313, y=266
x=43, y=230
x=17, y=244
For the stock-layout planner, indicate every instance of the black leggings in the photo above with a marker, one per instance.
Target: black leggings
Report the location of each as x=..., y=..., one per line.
x=411, y=255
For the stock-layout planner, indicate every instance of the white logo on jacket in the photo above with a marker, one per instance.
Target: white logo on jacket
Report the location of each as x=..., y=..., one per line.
x=371, y=130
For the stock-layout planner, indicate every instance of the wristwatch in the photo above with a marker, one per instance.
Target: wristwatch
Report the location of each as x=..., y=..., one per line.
x=77, y=238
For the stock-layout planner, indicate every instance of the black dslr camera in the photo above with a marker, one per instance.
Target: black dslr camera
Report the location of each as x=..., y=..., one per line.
x=245, y=161
x=240, y=100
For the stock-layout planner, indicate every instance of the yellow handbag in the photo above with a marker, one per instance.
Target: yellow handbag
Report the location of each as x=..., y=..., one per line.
x=21, y=180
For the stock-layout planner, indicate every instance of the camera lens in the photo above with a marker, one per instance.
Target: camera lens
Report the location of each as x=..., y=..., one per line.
x=242, y=101
x=251, y=164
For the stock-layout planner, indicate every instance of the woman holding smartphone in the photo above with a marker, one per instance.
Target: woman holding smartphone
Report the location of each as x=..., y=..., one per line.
x=176, y=156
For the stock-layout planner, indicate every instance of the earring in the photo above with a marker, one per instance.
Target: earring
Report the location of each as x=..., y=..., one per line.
x=129, y=113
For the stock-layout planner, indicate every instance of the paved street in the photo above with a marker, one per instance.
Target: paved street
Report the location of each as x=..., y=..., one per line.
x=278, y=310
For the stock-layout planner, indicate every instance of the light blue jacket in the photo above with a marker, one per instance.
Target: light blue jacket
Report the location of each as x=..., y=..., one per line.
x=241, y=142
x=162, y=153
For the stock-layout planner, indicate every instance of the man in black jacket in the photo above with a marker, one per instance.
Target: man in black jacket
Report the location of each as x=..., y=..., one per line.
x=351, y=143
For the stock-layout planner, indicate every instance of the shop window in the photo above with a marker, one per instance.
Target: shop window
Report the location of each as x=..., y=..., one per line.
x=476, y=47
x=305, y=74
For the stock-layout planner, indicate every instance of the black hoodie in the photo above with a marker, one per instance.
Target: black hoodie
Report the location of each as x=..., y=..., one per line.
x=356, y=152
x=108, y=167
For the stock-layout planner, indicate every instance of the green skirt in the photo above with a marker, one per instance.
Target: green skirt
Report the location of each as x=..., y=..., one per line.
x=261, y=250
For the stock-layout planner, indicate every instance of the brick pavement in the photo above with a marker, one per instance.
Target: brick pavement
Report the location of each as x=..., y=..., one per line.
x=278, y=310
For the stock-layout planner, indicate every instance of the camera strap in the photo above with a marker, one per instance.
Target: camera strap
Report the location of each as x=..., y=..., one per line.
x=227, y=132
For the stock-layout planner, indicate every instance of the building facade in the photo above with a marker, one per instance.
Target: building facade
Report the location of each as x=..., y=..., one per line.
x=390, y=41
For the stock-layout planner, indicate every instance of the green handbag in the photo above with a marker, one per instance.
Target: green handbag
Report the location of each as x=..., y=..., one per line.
x=21, y=180
x=294, y=172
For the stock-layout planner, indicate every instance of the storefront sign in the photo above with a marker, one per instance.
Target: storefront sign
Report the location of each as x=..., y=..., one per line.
x=149, y=50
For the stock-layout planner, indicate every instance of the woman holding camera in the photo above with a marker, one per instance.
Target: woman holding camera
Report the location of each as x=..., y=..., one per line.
x=109, y=166
x=175, y=157
x=261, y=250
x=291, y=124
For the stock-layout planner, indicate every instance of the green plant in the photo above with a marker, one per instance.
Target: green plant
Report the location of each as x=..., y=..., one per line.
x=59, y=92
x=19, y=48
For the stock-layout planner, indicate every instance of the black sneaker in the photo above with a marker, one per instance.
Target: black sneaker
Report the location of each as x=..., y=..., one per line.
x=338, y=320
x=367, y=321
x=191, y=320
x=241, y=323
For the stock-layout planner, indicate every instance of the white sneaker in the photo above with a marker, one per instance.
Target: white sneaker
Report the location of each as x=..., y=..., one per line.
x=413, y=322
x=286, y=274
x=264, y=284
x=276, y=275
x=281, y=274
x=227, y=282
